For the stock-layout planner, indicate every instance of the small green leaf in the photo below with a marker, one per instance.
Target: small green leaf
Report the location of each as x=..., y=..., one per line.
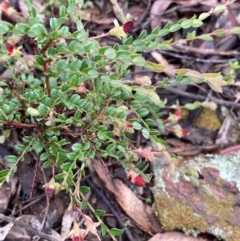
x=145, y=133
x=20, y=148
x=187, y=23
x=136, y=125
x=63, y=11
x=220, y=8
x=37, y=30
x=111, y=111
x=72, y=156
x=121, y=109
x=219, y=32
x=111, y=148
x=100, y=213
x=135, y=104
x=26, y=139
x=84, y=190
x=205, y=37
x=39, y=59
x=197, y=23
x=4, y=27
x=44, y=156
x=116, y=232
x=43, y=109
x=203, y=16
x=4, y=172
x=193, y=106
x=93, y=73
x=77, y=147
x=110, y=53
x=38, y=147
x=235, y=30
x=11, y=159
x=64, y=32
x=102, y=136
x=143, y=112
x=53, y=23
x=163, y=32
x=66, y=166
x=175, y=27
x=154, y=97
x=103, y=229
x=139, y=61
x=210, y=105
x=143, y=34
x=32, y=111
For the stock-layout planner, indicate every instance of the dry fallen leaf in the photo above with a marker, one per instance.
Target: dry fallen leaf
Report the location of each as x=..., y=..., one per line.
x=140, y=212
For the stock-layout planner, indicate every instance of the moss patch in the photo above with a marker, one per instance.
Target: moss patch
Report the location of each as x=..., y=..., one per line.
x=208, y=119
x=174, y=215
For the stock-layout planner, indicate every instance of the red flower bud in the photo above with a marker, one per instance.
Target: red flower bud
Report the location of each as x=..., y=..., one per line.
x=136, y=178
x=77, y=238
x=50, y=190
x=5, y=6
x=154, y=81
x=76, y=233
x=51, y=187
x=9, y=47
x=127, y=27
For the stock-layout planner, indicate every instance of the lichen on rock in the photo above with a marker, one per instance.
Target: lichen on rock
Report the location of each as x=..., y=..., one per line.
x=179, y=204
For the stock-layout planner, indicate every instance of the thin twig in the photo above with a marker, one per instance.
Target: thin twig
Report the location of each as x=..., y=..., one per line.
x=114, y=212
x=27, y=227
x=16, y=124
x=47, y=201
x=180, y=56
x=17, y=95
x=34, y=200
x=199, y=97
x=206, y=52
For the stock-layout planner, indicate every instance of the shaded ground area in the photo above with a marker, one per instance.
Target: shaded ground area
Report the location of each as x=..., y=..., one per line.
x=213, y=127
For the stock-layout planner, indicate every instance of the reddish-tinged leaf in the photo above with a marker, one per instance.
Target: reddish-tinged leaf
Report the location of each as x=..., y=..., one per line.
x=91, y=226
x=127, y=27
x=178, y=113
x=9, y=47
x=5, y=6
x=146, y=153
x=184, y=132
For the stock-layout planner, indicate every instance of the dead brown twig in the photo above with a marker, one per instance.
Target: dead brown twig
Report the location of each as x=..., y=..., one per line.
x=27, y=227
